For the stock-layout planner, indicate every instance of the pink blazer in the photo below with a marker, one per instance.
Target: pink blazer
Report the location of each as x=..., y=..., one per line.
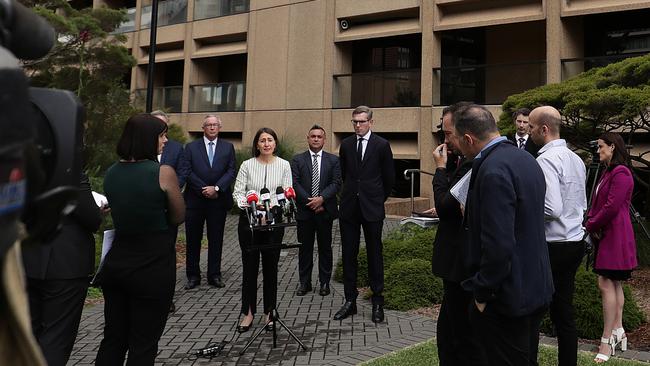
x=610, y=214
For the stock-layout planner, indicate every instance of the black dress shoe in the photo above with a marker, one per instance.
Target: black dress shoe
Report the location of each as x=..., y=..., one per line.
x=349, y=308
x=377, y=313
x=304, y=289
x=324, y=289
x=192, y=283
x=216, y=281
x=172, y=308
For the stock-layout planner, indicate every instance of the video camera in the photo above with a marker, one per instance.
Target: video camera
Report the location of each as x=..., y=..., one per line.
x=41, y=134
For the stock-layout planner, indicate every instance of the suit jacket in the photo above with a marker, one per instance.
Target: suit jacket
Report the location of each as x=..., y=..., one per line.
x=447, y=261
x=610, y=215
x=368, y=182
x=71, y=254
x=198, y=173
x=530, y=146
x=507, y=254
x=171, y=156
x=329, y=184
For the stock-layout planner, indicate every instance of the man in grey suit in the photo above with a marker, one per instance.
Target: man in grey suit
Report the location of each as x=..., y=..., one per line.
x=316, y=180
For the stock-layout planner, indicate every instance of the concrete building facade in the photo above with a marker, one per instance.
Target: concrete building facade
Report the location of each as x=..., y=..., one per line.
x=288, y=64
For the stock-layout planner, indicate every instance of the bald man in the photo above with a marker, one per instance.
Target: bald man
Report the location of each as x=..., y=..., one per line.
x=564, y=205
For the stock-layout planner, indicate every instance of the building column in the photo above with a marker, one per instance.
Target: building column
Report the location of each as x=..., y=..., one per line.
x=554, y=36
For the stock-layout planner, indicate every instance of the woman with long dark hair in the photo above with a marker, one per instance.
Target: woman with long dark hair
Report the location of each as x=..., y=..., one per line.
x=139, y=272
x=608, y=220
x=263, y=170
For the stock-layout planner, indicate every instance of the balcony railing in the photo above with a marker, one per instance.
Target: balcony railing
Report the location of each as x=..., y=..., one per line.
x=169, y=12
x=377, y=89
x=222, y=97
x=129, y=24
x=487, y=83
x=204, y=9
x=168, y=98
x=574, y=66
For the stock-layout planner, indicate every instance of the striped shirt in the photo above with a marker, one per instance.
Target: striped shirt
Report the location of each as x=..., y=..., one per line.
x=254, y=175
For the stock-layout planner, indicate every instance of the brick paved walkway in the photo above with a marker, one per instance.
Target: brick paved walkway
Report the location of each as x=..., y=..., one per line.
x=206, y=315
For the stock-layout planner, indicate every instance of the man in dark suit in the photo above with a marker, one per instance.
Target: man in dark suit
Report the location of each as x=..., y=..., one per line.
x=457, y=342
x=317, y=180
x=208, y=164
x=368, y=175
x=522, y=135
x=58, y=276
x=172, y=151
x=507, y=257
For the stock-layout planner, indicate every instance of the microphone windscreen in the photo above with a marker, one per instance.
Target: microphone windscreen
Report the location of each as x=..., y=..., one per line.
x=251, y=196
x=290, y=193
x=265, y=194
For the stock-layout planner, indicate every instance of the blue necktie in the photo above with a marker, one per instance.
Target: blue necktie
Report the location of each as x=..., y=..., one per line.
x=211, y=152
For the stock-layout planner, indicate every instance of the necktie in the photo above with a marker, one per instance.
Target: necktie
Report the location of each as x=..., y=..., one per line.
x=210, y=152
x=315, y=177
x=521, y=142
x=360, y=150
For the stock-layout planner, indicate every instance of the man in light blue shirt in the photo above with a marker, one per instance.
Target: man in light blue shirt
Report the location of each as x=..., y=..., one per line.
x=564, y=206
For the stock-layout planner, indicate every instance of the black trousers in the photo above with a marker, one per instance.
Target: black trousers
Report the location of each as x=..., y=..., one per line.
x=565, y=259
x=508, y=341
x=320, y=226
x=138, y=281
x=55, y=307
x=194, y=220
x=457, y=340
x=350, y=238
x=251, y=263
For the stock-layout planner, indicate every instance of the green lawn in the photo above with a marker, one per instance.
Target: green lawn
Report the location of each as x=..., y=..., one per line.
x=425, y=354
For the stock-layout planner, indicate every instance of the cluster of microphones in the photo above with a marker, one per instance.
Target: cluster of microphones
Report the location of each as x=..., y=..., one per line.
x=285, y=211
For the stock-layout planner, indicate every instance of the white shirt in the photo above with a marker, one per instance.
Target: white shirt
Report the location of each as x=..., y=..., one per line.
x=364, y=144
x=254, y=175
x=565, y=201
x=206, y=142
x=319, y=157
x=517, y=137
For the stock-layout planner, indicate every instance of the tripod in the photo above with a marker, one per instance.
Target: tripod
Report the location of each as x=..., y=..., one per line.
x=274, y=317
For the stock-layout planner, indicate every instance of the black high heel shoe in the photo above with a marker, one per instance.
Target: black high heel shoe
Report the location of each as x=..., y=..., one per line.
x=244, y=328
x=269, y=327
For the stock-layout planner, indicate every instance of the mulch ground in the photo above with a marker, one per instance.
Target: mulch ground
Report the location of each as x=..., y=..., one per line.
x=640, y=284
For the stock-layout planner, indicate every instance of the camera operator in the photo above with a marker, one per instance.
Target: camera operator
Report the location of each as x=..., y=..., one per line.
x=39, y=170
x=57, y=278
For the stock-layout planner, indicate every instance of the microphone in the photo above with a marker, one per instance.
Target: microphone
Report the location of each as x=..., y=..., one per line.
x=252, y=199
x=279, y=194
x=265, y=196
x=290, y=194
x=29, y=36
x=211, y=351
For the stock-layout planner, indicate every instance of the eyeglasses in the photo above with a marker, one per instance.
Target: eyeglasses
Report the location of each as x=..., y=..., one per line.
x=209, y=125
x=354, y=123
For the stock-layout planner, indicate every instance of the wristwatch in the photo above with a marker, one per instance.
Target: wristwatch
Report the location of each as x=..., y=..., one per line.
x=216, y=188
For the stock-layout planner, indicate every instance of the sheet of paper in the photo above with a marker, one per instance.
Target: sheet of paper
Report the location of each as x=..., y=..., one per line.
x=461, y=188
x=100, y=199
x=109, y=235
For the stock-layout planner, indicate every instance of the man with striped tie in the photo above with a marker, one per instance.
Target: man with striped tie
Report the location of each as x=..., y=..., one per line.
x=522, y=138
x=316, y=180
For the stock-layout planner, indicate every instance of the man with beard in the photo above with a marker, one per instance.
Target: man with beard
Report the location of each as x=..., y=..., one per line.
x=456, y=340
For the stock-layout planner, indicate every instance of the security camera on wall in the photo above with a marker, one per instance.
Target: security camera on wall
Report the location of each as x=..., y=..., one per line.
x=344, y=24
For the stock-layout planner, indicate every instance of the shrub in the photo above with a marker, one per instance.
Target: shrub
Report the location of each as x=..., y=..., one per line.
x=403, y=245
x=410, y=285
x=642, y=244
x=588, y=308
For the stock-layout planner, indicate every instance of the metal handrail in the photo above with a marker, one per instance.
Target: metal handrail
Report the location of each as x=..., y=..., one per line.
x=408, y=175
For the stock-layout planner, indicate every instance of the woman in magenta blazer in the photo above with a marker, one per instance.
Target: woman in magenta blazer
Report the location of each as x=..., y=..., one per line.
x=609, y=220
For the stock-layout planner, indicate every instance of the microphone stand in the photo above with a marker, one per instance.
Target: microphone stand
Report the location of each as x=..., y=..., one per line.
x=274, y=317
